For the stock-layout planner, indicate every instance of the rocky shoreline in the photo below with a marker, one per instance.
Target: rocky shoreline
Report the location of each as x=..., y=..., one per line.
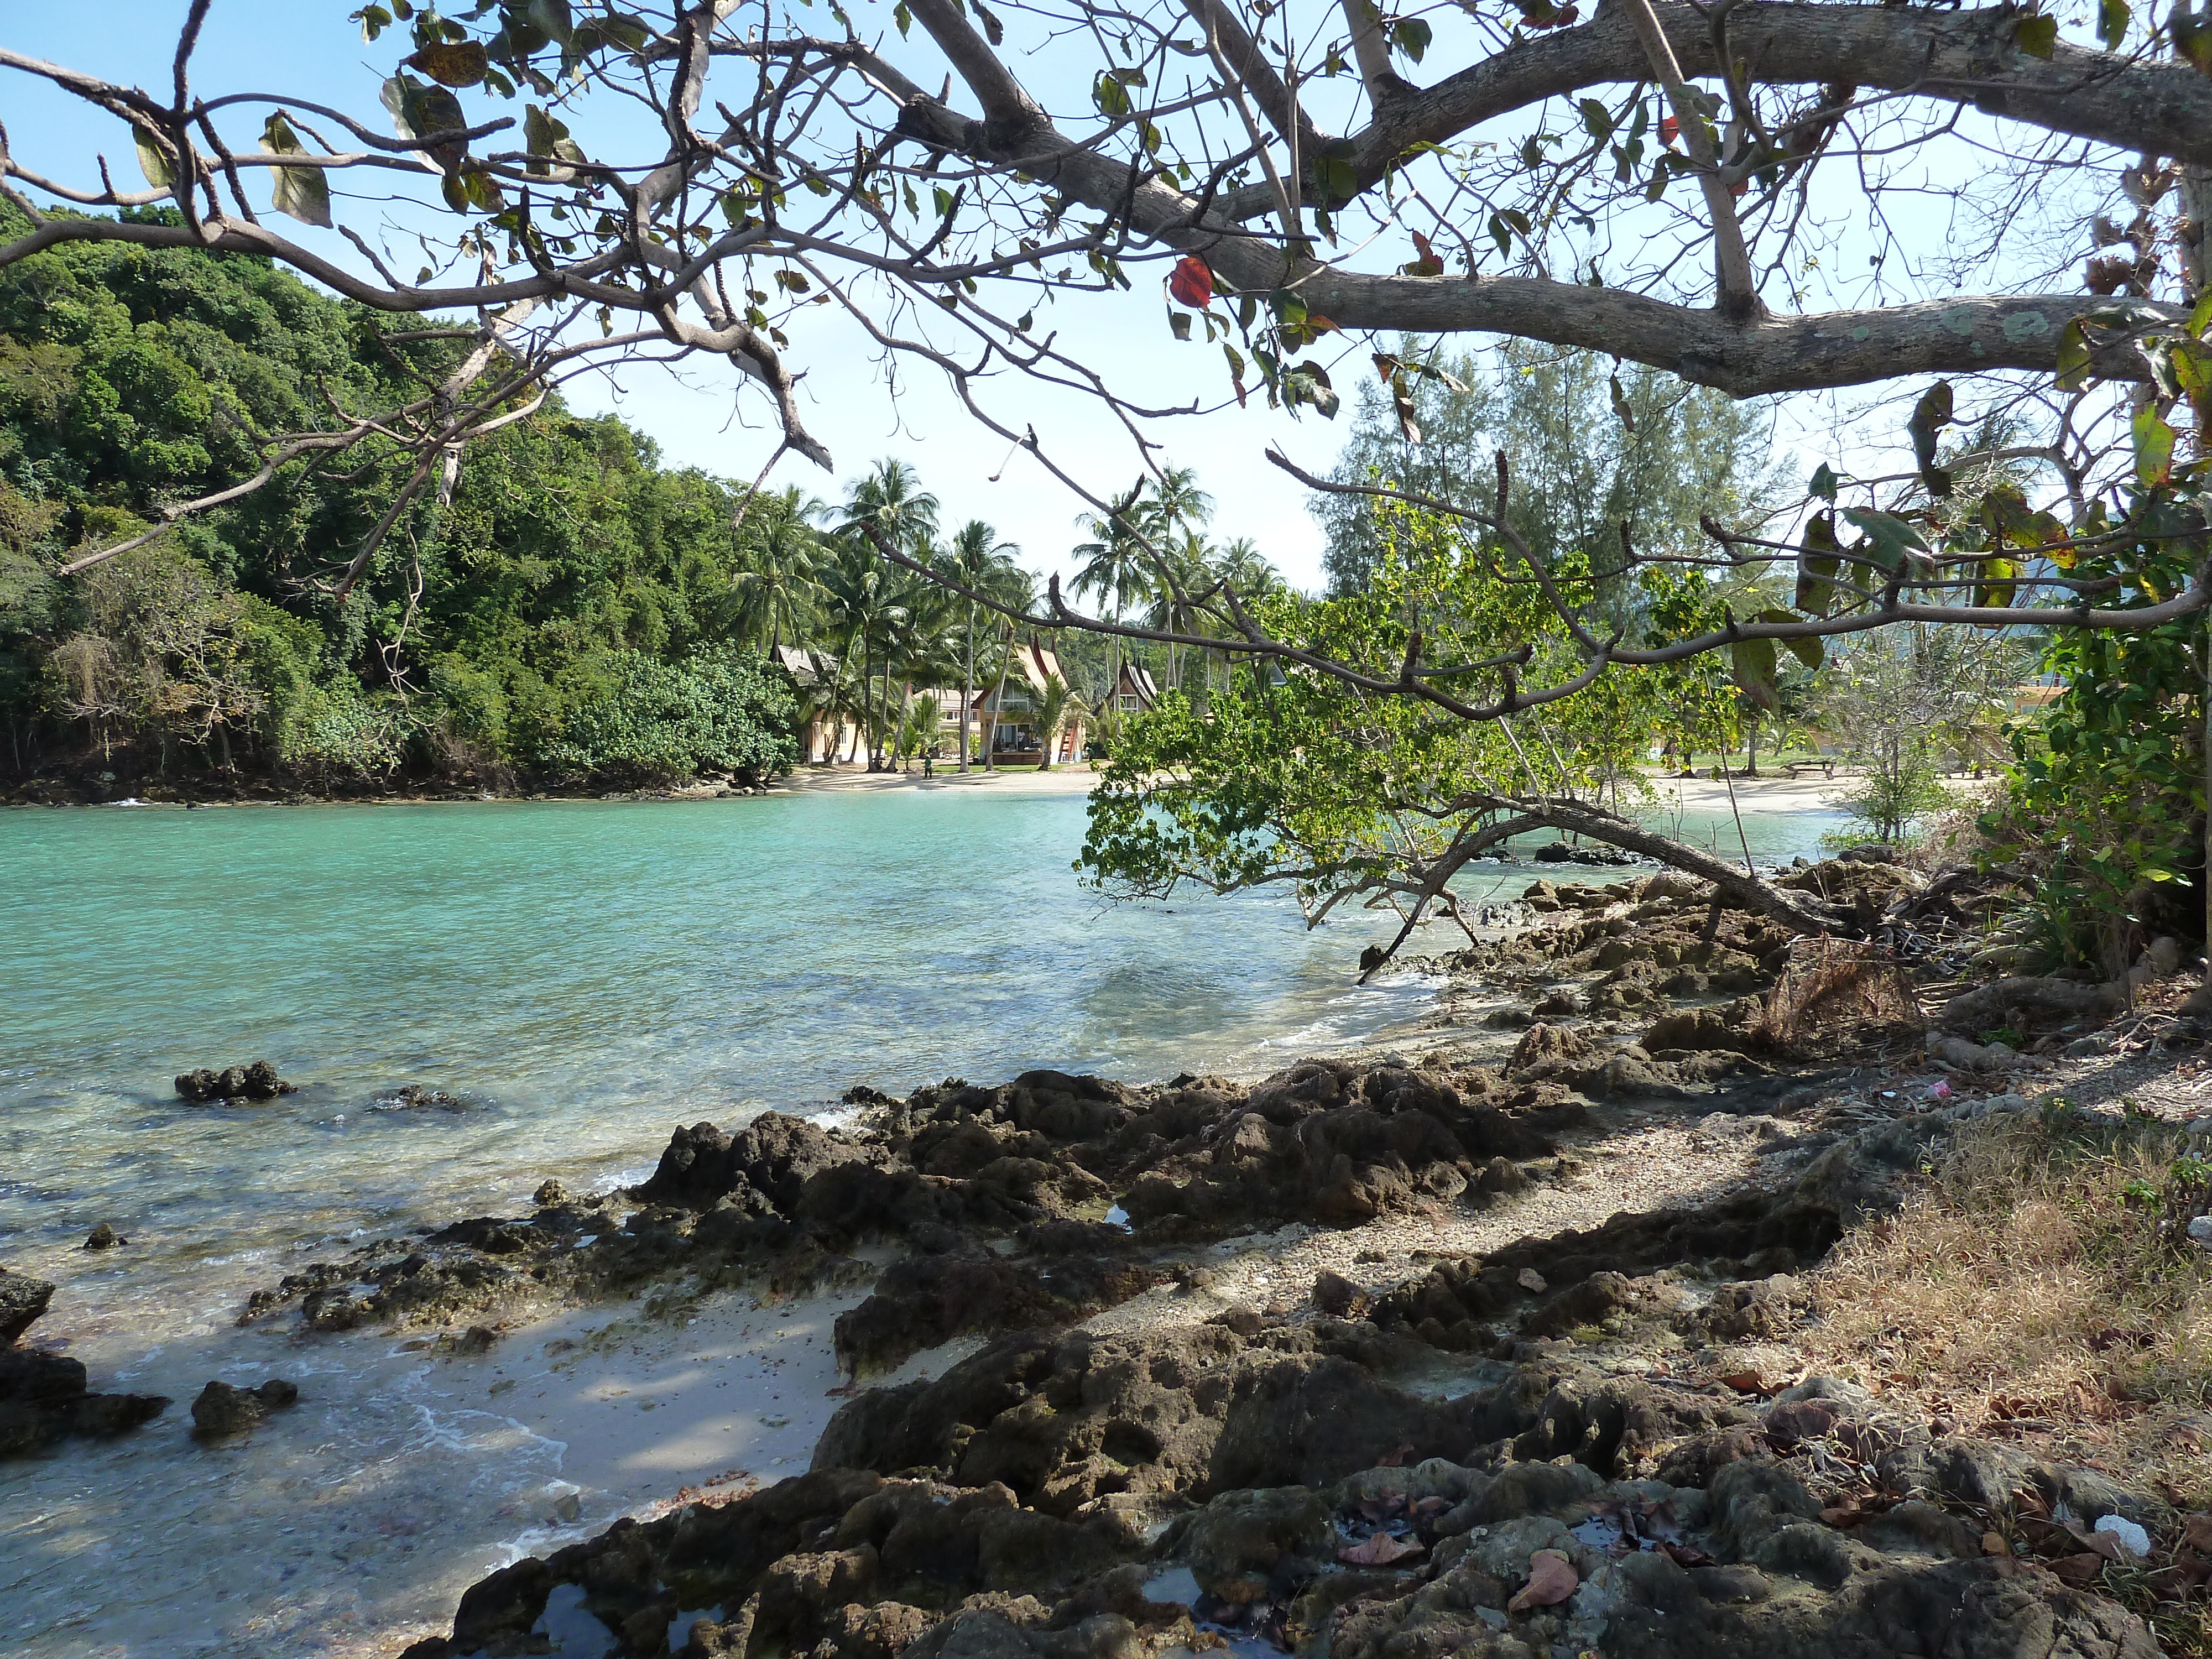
x=1505, y=1349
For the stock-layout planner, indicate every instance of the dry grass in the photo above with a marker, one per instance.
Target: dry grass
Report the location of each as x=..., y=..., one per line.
x=1833, y=988
x=2037, y=1289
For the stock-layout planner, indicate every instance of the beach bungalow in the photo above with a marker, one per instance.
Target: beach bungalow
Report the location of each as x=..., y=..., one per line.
x=1133, y=690
x=1011, y=729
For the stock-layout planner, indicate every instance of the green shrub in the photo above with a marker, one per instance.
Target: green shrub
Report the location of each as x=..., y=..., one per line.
x=716, y=711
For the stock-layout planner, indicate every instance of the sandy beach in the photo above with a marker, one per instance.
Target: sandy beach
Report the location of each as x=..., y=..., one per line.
x=1073, y=779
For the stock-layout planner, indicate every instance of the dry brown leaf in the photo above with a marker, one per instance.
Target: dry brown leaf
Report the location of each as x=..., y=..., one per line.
x=1551, y=1580
x=1378, y=1551
x=2079, y=1569
x=1994, y=1544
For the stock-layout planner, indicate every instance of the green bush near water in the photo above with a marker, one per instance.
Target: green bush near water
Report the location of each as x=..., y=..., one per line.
x=569, y=613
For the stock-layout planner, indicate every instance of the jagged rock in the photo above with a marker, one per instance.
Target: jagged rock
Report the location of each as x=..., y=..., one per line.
x=1546, y=1049
x=104, y=1238
x=44, y=1397
x=1337, y=1296
x=256, y=1081
x=418, y=1097
x=223, y=1412
x=1750, y=1311
x=919, y=1303
x=22, y=1300
x=1704, y=1028
x=550, y=1194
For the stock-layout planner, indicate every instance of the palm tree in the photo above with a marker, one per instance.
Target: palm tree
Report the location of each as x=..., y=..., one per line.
x=890, y=498
x=863, y=605
x=1057, y=704
x=918, y=725
x=1245, y=568
x=1017, y=590
x=778, y=554
x=916, y=644
x=1116, y=566
x=1177, y=502
x=977, y=560
x=1189, y=563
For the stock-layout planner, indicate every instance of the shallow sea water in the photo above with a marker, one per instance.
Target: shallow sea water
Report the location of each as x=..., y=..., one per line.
x=584, y=975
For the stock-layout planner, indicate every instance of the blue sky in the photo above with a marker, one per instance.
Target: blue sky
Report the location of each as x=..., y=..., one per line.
x=287, y=48
x=311, y=51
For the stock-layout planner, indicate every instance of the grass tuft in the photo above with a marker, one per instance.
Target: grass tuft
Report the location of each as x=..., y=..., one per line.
x=2038, y=1287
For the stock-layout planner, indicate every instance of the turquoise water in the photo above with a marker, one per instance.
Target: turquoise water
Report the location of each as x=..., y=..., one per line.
x=584, y=975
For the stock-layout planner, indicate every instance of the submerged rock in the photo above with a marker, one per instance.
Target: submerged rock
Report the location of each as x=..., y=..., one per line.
x=45, y=1397
x=414, y=1098
x=223, y=1412
x=104, y=1238
x=256, y=1081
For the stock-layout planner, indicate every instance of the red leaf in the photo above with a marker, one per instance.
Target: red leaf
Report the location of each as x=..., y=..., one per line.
x=1551, y=1580
x=1669, y=129
x=1192, y=282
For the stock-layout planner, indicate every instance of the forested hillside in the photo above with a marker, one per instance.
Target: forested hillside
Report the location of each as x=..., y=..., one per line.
x=568, y=617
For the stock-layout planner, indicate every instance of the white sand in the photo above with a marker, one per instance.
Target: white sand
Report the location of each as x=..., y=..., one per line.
x=1074, y=779
x=645, y=1414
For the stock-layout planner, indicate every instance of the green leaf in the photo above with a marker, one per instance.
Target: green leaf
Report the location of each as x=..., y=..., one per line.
x=2153, y=440
x=1888, y=539
x=1620, y=403
x=1817, y=561
x=2036, y=34
x=1179, y=322
x=151, y=161
x=452, y=63
x=1929, y=417
x=303, y=192
x=1597, y=119
x=1808, y=649
x=1412, y=35
x=1999, y=583
x=2152, y=872
x=2073, y=354
x=418, y=111
x=1824, y=482
x=374, y=21
x=2113, y=16
x=547, y=139
x=1751, y=666
x=553, y=16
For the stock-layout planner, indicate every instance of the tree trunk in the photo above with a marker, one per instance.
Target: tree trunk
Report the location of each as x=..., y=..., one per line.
x=968, y=688
x=1751, y=744
x=867, y=707
x=999, y=705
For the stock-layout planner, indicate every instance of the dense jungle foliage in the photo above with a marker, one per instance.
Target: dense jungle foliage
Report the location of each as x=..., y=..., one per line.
x=570, y=615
